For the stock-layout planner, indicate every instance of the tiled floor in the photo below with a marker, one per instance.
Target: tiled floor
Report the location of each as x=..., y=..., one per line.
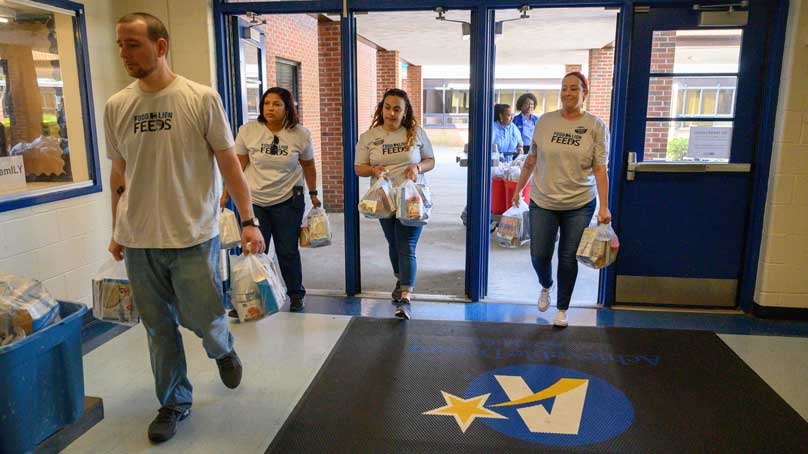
x=282, y=354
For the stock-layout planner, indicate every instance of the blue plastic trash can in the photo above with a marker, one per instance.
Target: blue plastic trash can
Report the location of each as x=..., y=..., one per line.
x=42, y=382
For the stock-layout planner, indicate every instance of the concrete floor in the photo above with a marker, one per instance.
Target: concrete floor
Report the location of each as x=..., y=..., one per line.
x=441, y=252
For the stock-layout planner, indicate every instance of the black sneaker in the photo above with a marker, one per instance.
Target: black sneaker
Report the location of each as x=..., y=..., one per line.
x=403, y=309
x=296, y=305
x=164, y=425
x=396, y=292
x=230, y=369
x=232, y=314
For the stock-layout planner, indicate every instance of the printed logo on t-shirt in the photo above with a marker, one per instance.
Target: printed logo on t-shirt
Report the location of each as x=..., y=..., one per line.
x=274, y=149
x=393, y=148
x=153, y=121
x=580, y=129
x=565, y=138
x=378, y=141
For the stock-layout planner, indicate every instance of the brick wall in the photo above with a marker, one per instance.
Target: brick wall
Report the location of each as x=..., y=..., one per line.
x=415, y=89
x=366, y=91
x=570, y=68
x=388, y=71
x=293, y=37
x=601, y=69
x=659, y=95
x=331, y=122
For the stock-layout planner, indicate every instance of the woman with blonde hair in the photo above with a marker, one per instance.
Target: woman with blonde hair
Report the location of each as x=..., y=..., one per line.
x=397, y=148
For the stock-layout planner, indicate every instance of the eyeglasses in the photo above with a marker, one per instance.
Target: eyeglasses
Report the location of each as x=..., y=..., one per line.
x=273, y=149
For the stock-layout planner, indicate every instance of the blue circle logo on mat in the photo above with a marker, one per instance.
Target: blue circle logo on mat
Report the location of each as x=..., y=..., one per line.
x=549, y=405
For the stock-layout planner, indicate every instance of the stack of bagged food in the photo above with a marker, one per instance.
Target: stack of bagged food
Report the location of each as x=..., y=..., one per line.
x=25, y=307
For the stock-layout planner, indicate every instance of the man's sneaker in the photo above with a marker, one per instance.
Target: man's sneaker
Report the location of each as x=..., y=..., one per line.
x=561, y=318
x=544, y=299
x=164, y=425
x=230, y=369
x=403, y=309
x=296, y=305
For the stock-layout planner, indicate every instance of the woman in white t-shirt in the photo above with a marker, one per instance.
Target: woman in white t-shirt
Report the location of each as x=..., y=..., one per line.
x=277, y=154
x=568, y=172
x=397, y=147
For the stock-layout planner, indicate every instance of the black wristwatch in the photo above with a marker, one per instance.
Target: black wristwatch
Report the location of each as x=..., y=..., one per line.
x=314, y=192
x=252, y=222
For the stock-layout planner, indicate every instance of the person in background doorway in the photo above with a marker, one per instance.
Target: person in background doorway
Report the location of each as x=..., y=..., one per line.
x=526, y=120
x=165, y=136
x=276, y=154
x=504, y=134
x=568, y=172
x=396, y=147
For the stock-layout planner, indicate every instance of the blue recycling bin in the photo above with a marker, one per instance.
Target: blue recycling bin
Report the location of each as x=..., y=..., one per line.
x=42, y=382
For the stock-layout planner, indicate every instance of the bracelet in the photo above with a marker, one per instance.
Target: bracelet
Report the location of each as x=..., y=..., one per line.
x=314, y=192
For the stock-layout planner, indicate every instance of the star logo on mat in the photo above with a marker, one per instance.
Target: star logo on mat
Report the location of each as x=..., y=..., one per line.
x=464, y=411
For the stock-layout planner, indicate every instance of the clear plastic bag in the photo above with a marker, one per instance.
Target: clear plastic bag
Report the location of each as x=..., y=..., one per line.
x=319, y=229
x=378, y=202
x=26, y=307
x=112, y=295
x=513, y=229
x=229, y=231
x=256, y=288
x=598, y=247
x=414, y=203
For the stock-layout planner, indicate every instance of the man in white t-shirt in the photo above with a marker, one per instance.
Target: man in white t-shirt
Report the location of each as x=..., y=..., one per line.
x=165, y=136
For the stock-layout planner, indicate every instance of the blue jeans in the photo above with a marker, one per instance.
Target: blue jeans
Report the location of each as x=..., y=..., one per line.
x=401, y=242
x=544, y=225
x=282, y=221
x=173, y=287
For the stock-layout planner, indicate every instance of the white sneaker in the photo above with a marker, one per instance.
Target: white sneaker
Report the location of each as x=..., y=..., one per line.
x=544, y=299
x=561, y=318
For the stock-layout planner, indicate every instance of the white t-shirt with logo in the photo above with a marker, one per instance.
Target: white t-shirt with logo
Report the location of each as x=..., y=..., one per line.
x=566, y=151
x=167, y=139
x=273, y=171
x=379, y=147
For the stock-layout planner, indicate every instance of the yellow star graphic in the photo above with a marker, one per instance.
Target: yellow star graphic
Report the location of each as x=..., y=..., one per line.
x=464, y=410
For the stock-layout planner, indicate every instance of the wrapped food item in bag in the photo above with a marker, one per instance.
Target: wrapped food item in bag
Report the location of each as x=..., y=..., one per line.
x=26, y=306
x=256, y=287
x=112, y=296
x=229, y=230
x=598, y=247
x=378, y=202
x=319, y=229
x=513, y=229
x=303, y=236
x=414, y=203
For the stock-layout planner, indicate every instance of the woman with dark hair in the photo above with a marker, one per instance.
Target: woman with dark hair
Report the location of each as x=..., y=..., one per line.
x=396, y=147
x=526, y=122
x=504, y=133
x=568, y=182
x=277, y=154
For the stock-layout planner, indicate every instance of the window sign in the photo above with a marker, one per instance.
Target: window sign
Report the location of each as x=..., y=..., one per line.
x=708, y=142
x=12, y=173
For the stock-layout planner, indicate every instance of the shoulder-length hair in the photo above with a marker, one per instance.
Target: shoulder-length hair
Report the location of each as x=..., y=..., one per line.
x=290, y=118
x=408, y=122
x=500, y=109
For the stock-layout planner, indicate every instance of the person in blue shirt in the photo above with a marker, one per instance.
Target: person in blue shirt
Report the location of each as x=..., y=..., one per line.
x=504, y=134
x=526, y=121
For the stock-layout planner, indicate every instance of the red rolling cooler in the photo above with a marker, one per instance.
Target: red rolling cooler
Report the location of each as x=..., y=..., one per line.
x=498, y=203
x=509, y=188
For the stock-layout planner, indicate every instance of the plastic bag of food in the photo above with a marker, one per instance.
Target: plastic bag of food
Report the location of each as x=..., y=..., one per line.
x=229, y=231
x=378, y=202
x=319, y=229
x=112, y=295
x=598, y=247
x=26, y=307
x=513, y=229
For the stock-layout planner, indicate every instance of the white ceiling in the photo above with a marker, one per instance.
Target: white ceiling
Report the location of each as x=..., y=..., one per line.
x=545, y=38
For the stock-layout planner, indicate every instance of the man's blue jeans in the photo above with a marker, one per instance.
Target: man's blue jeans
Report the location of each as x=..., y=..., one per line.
x=282, y=222
x=544, y=225
x=173, y=287
x=401, y=242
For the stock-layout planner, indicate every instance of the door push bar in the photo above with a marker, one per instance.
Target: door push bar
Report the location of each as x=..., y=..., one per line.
x=634, y=167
